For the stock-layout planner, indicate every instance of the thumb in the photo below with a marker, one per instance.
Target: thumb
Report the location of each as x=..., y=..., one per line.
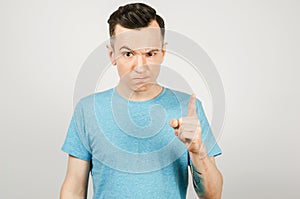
x=174, y=123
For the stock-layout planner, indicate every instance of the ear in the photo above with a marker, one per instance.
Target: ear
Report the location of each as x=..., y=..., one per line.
x=111, y=54
x=164, y=48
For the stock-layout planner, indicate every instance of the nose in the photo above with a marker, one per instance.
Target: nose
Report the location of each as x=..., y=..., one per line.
x=140, y=63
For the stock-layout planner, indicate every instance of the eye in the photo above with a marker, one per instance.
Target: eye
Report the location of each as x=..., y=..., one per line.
x=151, y=54
x=127, y=54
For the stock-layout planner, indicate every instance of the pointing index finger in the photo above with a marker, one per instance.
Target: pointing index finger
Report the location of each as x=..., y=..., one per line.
x=192, y=106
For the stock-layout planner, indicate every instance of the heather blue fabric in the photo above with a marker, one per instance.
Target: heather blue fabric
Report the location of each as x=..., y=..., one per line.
x=132, y=148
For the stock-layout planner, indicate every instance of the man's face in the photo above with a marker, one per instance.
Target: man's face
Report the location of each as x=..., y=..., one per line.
x=138, y=55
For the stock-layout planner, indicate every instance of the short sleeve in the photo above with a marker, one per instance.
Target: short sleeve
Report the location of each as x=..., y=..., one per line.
x=208, y=138
x=74, y=143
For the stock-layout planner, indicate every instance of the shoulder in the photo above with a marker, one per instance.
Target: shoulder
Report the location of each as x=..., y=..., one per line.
x=182, y=97
x=97, y=97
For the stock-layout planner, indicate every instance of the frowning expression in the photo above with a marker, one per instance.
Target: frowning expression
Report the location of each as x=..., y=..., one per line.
x=138, y=54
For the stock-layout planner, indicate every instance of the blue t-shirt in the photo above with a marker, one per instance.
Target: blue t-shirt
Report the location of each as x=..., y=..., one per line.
x=132, y=149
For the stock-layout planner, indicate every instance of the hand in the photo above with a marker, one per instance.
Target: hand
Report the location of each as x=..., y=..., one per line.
x=188, y=129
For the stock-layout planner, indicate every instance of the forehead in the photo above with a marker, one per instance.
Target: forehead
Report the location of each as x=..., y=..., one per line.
x=147, y=37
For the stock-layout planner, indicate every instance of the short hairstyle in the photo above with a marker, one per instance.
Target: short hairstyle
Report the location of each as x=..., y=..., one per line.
x=134, y=16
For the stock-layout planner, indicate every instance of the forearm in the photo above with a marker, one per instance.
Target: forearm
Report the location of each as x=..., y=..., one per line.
x=207, y=178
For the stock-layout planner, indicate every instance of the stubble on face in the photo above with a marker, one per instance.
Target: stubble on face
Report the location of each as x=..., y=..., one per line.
x=138, y=74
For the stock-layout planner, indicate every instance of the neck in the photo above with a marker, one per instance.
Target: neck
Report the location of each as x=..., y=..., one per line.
x=146, y=92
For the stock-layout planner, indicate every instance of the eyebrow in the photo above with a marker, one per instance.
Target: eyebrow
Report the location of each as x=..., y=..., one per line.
x=127, y=48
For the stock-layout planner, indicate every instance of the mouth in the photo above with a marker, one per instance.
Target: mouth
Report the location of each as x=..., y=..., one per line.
x=140, y=78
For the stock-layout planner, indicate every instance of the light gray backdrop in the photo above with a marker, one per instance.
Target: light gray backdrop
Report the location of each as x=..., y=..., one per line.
x=254, y=45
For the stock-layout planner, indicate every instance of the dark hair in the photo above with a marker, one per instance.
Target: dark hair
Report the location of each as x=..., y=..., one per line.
x=135, y=15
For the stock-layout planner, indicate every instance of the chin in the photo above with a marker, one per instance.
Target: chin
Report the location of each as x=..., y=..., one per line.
x=142, y=88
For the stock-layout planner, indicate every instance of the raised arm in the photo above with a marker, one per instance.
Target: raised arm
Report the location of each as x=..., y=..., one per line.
x=75, y=184
x=207, y=179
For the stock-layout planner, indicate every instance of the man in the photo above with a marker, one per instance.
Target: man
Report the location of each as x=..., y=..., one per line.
x=125, y=135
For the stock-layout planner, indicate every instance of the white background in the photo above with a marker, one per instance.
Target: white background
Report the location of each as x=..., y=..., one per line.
x=255, y=48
